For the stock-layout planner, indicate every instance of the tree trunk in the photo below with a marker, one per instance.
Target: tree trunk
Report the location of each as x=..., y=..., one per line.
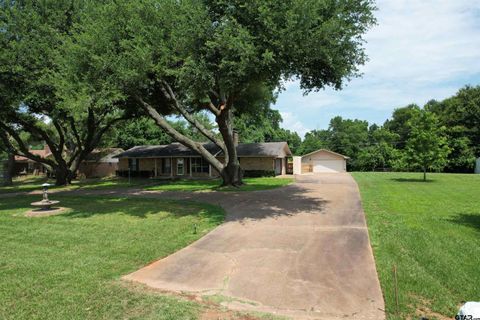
x=424, y=174
x=62, y=176
x=232, y=174
x=9, y=170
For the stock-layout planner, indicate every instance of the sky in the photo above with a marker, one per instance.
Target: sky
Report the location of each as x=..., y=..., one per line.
x=419, y=50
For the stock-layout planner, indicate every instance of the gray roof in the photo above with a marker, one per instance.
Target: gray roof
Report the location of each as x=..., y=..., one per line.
x=104, y=155
x=265, y=149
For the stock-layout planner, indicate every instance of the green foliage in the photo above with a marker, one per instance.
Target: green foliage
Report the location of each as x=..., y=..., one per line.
x=399, y=123
x=136, y=132
x=258, y=173
x=461, y=115
x=447, y=130
x=314, y=140
x=426, y=147
x=264, y=126
x=225, y=54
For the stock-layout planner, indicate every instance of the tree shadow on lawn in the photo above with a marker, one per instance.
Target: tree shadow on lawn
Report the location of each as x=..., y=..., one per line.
x=286, y=201
x=88, y=206
x=471, y=220
x=257, y=205
x=413, y=180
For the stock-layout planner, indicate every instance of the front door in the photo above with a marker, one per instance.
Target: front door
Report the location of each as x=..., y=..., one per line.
x=180, y=166
x=278, y=166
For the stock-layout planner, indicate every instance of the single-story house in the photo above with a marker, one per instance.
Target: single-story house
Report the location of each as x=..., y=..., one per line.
x=24, y=166
x=175, y=160
x=100, y=163
x=322, y=160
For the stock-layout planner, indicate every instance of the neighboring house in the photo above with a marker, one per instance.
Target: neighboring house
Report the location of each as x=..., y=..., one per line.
x=477, y=166
x=25, y=166
x=320, y=161
x=100, y=163
x=175, y=160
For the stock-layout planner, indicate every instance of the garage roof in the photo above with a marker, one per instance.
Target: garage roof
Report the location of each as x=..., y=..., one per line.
x=328, y=151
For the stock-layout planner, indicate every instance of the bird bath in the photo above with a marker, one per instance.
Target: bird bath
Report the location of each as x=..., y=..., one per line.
x=45, y=204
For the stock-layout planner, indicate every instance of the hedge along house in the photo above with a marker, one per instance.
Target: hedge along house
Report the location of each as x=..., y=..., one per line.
x=177, y=161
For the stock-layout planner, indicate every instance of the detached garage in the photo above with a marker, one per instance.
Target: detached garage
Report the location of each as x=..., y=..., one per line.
x=323, y=161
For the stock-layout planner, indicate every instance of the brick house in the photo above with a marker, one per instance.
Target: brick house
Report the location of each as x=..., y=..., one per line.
x=24, y=165
x=177, y=161
x=100, y=163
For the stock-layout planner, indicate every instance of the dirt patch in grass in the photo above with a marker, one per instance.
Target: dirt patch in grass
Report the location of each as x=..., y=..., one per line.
x=423, y=311
x=215, y=314
x=210, y=309
x=37, y=213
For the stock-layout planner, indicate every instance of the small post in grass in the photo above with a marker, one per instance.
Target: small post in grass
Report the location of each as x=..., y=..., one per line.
x=195, y=228
x=395, y=284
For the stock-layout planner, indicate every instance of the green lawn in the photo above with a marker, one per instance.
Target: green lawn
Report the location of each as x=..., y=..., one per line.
x=69, y=266
x=431, y=232
x=251, y=184
x=32, y=183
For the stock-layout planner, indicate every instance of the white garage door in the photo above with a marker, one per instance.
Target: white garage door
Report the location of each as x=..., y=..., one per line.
x=328, y=166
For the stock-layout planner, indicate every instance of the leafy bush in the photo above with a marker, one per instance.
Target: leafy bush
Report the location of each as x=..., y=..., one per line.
x=258, y=173
x=135, y=174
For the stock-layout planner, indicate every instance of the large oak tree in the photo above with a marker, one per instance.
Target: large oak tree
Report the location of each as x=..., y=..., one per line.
x=171, y=57
x=32, y=90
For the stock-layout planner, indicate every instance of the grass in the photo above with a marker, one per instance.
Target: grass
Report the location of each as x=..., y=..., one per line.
x=68, y=266
x=251, y=184
x=32, y=183
x=431, y=232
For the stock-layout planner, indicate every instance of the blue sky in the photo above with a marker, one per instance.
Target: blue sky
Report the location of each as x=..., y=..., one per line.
x=420, y=49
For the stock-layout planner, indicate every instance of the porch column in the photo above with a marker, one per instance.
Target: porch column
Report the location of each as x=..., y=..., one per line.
x=171, y=166
x=190, y=166
x=209, y=170
x=155, y=167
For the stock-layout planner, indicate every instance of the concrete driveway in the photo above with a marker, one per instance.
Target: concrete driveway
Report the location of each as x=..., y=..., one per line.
x=300, y=251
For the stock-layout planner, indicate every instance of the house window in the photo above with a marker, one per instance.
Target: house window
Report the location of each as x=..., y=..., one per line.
x=199, y=165
x=133, y=164
x=166, y=165
x=180, y=167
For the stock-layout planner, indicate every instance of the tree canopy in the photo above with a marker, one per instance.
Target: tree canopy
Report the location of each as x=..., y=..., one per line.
x=33, y=93
x=177, y=58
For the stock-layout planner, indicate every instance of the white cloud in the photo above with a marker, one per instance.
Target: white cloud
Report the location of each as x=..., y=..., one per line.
x=291, y=122
x=418, y=51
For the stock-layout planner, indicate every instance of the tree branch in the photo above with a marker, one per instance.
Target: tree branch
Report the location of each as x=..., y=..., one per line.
x=23, y=148
x=196, y=146
x=192, y=120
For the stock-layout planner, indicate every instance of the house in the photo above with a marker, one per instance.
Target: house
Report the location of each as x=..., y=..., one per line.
x=24, y=166
x=321, y=160
x=100, y=163
x=477, y=166
x=175, y=160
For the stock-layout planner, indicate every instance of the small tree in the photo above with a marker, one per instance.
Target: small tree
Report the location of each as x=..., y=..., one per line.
x=426, y=147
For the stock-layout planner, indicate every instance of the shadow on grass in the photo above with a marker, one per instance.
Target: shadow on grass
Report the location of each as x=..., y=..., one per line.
x=471, y=220
x=243, y=206
x=89, y=206
x=412, y=180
